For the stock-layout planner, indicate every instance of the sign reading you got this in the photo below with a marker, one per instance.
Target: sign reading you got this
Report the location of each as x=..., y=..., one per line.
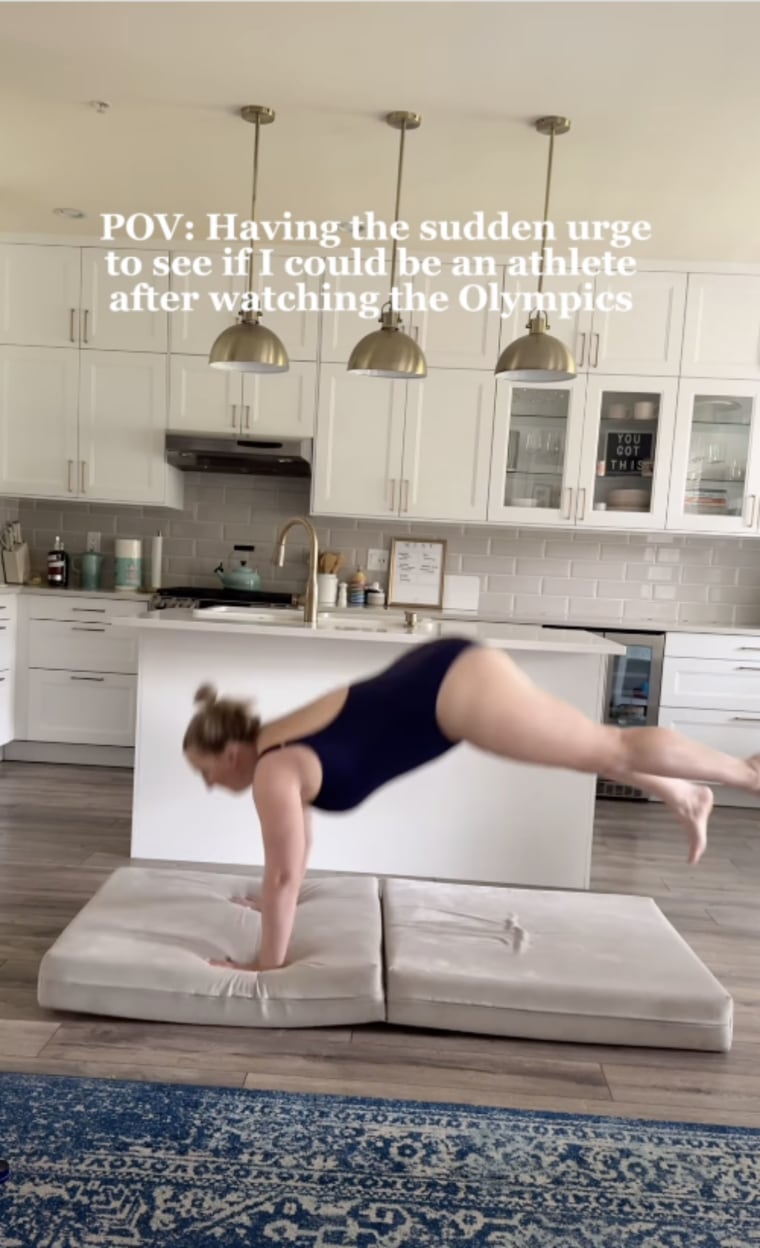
x=628, y=452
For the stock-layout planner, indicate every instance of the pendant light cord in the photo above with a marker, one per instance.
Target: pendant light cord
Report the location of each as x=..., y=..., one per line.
x=394, y=246
x=552, y=132
x=252, y=316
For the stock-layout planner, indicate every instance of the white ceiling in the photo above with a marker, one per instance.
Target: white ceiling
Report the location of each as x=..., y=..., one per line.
x=664, y=100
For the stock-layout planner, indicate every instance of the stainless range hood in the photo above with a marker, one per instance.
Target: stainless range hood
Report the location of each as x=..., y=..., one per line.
x=284, y=457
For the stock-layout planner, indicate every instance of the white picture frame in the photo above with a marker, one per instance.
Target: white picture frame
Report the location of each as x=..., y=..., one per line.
x=417, y=568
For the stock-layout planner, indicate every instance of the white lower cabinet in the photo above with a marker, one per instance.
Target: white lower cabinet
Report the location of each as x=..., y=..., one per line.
x=79, y=674
x=711, y=693
x=81, y=707
x=7, y=666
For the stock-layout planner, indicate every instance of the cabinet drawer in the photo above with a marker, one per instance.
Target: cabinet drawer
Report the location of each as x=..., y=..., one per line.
x=82, y=709
x=713, y=646
x=712, y=684
x=6, y=707
x=72, y=607
x=81, y=646
x=6, y=644
x=731, y=732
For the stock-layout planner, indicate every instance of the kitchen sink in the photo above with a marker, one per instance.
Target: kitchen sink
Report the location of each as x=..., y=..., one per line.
x=250, y=615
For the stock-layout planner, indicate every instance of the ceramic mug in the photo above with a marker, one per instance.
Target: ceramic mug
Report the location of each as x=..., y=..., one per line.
x=644, y=409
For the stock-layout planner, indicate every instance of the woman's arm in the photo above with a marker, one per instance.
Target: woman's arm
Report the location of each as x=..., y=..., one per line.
x=284, y=828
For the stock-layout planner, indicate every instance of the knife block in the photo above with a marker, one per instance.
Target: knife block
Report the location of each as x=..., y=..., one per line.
x=17, y=565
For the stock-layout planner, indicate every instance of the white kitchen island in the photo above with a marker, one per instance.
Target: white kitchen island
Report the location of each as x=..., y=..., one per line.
x=466, y=816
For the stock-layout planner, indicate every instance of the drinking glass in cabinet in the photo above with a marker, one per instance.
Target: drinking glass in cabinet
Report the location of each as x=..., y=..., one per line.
x=626, y=451
x=718, y=453
x=536, y=454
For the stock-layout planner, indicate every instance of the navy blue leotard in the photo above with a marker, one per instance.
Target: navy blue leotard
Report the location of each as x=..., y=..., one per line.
x=386, y=727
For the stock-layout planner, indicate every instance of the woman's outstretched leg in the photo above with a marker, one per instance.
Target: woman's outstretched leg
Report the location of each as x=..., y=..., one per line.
x=487, y=701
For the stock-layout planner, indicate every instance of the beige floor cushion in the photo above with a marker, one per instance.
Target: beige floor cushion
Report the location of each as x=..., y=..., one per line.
x=140, y=949
x=591, y=967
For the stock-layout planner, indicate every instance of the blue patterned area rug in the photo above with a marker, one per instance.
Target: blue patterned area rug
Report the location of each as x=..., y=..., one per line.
x=105, y=1164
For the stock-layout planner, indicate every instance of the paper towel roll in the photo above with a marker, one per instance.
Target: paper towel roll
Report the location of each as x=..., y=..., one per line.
x=128, y=564
x=156, y=557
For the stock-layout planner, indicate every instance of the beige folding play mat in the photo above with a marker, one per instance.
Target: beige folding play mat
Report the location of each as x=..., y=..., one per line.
x=141, y=948
x=546, y=965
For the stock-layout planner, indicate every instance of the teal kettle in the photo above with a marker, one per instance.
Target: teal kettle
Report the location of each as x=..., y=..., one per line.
x=239, y=574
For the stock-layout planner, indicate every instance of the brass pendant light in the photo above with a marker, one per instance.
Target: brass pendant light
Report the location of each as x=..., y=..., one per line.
x=537, y=356
x=388, y=351
x=248, y=346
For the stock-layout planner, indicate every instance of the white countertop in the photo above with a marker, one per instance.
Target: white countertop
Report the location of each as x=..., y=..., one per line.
x=501, y=635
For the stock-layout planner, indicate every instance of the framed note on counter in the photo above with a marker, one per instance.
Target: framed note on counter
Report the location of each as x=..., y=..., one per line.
x=416, y=572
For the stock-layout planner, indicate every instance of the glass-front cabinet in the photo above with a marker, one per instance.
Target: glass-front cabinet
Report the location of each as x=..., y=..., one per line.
x=538, y=433
x=715, y=478
x=625, y=460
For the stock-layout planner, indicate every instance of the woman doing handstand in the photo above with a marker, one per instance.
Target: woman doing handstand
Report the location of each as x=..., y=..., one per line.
x=334, y=752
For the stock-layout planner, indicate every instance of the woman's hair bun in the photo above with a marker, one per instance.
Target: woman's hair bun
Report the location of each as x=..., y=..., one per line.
x=205, y=696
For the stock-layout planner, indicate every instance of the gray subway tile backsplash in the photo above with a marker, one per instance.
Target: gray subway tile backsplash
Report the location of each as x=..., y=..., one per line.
x=626, y=579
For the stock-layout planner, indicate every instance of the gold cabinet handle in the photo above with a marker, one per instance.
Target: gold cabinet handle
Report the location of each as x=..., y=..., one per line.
x=247, y=410
x=595, y=361
x=748, y=647
x=97, y=679
x=580, y=510
x=745, y=668
x=85, y=320
x=745, y=719
x=88, y=628
x=83, y=476
x=568, y=503
x=234, y=407
x=393, y=494
x=71, y=476
x=405, y=493
x=72, y=314
x=582, y=351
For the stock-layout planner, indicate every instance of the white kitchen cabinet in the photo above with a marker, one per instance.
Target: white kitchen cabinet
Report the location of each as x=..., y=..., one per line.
x=7, y=667
x=645, y=341
x=457, y=338
x=385, y=449
x=106, y=330
x=38, y=421
x=359, y=444
x=81, y=708
x=122, y=424
x=711, y=693
x=625, y=459
x=280, y=404
x=213, y=401
x=193, y=332
x=715, y=466
x=722, y=327
x=39, y=295
x=81, y=644
x=203, y=399
x=537, y=437
x=447, y=446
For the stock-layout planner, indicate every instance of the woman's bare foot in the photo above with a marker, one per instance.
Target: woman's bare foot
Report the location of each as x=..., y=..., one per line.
x=754, y=765
x=692, y=806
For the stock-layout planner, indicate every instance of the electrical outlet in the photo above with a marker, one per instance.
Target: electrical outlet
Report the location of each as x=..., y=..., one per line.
x=93, y=541
x=377, y=560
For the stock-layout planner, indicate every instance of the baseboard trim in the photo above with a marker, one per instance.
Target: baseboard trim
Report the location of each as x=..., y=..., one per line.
x=63, y=752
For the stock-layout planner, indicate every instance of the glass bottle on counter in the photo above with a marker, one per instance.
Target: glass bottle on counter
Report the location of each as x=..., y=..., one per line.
x=58, y=566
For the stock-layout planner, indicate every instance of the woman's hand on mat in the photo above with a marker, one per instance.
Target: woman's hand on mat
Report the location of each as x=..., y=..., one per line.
x=255, y=967
x=250, y=902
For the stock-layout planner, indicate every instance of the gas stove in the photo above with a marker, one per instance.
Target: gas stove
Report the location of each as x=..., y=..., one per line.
x=191, y=598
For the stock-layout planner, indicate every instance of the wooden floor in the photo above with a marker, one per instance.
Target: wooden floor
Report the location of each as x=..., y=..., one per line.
x=64, y=829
